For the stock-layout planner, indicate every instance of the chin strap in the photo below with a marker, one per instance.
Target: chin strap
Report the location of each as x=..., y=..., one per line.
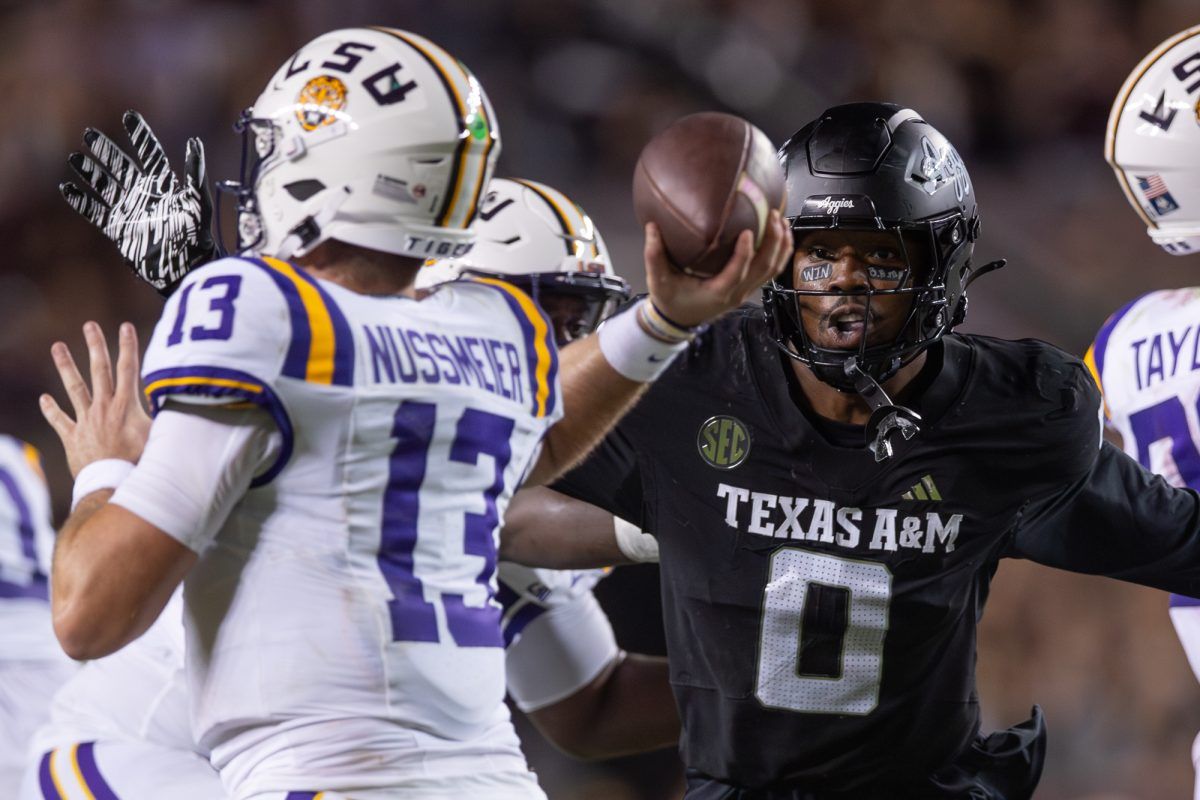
x=887, y=418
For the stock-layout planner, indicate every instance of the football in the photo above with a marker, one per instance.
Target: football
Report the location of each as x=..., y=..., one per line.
x=703, y=181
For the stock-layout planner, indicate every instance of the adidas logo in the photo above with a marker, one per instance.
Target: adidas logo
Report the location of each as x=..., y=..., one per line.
x=923, y=489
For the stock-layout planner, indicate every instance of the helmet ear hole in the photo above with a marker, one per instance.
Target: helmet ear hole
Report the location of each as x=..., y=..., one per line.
x=302, y=190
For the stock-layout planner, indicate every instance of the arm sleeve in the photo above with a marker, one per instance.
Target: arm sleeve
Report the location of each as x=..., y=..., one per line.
x=561, y=650
x=1118, y=520
x=610, y=478
x=233, y=330
x=190, y=498
x=556, y=636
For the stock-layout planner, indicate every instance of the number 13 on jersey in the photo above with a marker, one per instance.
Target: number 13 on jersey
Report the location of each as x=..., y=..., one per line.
x=414, y=617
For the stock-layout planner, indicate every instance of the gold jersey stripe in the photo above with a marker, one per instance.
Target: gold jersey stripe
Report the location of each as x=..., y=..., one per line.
x=322, y=344
x=54, y=756
x=541, y=335
x=202, y=380
x=33, y=458
x=1089, y=361
x=87, y=790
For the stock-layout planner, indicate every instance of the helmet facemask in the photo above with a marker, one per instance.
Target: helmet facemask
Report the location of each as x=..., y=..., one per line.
x=920, y=273
x=576, y=302
x=260, y=141
x=881, y=169
x=538, y=239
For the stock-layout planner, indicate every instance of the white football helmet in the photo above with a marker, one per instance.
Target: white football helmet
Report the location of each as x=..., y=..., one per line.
x=371, y=136
x=535, y=237
x=1153, y=142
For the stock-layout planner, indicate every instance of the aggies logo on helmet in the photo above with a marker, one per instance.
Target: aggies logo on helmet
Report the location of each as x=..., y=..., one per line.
x=319, y=101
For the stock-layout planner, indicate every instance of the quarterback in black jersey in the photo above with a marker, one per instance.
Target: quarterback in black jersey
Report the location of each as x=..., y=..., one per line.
x=833, y=482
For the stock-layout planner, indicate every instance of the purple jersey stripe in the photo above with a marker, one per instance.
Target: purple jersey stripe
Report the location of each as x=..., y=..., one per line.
x=301, y=795
x=343, y=339
x=46, y=780
x=38, y=589
x=1181, y=601
x=1100, y=348
x=28, y=546
x=523, y=616
x=92, y=778
x=37, y=586
x=265, y=398
x=295, y=363
x=530, y=351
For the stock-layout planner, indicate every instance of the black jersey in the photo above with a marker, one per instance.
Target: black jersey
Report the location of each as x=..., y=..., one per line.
x=821, y=608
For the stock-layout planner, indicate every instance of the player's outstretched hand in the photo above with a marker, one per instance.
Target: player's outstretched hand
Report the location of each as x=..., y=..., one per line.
x=110, y=420
x=161, y=225
x=690, y=301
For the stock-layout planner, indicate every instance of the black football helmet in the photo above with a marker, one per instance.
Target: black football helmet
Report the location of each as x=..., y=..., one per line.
x=878, y=167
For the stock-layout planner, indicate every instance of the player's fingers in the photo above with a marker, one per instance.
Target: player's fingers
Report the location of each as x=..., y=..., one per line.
x=768, y=258
x=96, y=178
x=774, y=248
x=787, y=247
x=145, y=144
x=68, y=373
x=58, y=419
x=652, y=249
x=193, y=163
x=115, y=161
x=127, y=363
x=91, y=208
x=99, y=361
x=658, y=264
x=733, y=274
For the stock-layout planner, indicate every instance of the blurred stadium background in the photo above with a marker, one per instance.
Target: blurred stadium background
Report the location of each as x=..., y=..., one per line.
x=1022, y=86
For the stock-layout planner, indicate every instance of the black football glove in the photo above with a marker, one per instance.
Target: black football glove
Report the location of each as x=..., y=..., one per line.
x=162, y=227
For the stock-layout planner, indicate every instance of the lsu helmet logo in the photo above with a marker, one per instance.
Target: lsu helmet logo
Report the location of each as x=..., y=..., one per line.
x=724, y=442
x=319, y=101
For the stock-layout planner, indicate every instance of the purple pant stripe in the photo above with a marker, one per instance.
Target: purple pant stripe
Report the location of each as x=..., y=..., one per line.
x=301, y=795
x=91, y=773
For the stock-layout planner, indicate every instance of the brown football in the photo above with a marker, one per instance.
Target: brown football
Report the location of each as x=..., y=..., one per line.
x=703, y=181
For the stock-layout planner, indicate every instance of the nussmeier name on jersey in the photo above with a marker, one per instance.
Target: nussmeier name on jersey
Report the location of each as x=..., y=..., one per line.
x=347, y=604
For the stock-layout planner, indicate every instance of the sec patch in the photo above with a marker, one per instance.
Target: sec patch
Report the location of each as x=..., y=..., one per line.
x=723, y=442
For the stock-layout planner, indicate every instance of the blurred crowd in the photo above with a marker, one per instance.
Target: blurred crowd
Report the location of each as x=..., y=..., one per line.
x=1023, y=88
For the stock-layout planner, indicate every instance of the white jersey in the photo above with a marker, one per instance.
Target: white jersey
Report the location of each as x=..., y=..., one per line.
x=136, y=694
x=32, y=665
x=1146, y=360
x=26, y=545
x=556, y=637
x=344, y=614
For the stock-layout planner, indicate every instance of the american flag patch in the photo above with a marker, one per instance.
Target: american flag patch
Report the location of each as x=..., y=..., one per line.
x=1160, y=200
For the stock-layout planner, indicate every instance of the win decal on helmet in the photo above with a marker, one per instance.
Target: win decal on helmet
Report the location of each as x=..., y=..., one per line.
x=371, y=136
x=879, y=170
x=537, y=238
x=1153, y=142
